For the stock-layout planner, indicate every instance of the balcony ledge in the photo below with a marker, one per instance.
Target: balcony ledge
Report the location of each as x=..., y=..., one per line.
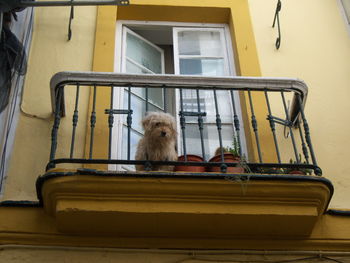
x=89, y=202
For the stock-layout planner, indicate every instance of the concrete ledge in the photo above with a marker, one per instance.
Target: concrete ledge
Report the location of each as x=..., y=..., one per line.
x=178, y=207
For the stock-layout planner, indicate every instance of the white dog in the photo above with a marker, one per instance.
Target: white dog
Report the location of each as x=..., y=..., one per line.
x=159, y=141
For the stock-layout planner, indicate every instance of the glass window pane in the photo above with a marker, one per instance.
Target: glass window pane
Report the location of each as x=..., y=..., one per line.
x=134, y=139
x=139, y=109
x=202, y=43
x=132, y=68
x=155, y=96
x=143, y=53
x=211, y=143
x=141, y=92
x=153, y=108
x=205, y=67
x=207, y=104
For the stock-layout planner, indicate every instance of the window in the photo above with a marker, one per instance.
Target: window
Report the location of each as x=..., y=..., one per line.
x=184, y=49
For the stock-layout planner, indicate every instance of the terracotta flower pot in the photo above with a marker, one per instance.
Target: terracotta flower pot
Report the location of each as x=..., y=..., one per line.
x=297, y=172
x=229, y=158
x=190, y=158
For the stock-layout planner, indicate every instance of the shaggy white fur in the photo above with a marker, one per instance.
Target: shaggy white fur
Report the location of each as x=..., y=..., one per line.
x=159, y=141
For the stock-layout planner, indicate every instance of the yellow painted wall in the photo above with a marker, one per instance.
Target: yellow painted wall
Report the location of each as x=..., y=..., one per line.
x=50, y=53
x=315, y=47
x=301, y=55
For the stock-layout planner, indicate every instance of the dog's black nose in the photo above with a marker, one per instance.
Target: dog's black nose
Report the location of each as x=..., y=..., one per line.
x=163, y=133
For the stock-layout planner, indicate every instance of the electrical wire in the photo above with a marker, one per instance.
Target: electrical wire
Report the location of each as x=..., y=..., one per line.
x=34, y=116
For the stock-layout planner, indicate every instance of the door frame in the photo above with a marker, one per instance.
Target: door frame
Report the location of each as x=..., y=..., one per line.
x=118, y=67
x=119, y=39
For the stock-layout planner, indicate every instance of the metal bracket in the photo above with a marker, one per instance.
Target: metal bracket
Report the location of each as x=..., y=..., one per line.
x=280, y=121
x=278, y=9
x=190, y=113
x=109, y=111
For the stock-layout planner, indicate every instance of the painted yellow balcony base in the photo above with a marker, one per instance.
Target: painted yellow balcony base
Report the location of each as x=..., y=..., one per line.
x=32, y=226
x=186, y=206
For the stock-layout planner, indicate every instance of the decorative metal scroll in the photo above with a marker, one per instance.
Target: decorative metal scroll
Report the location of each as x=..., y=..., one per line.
x=8, y=5
x=278, y=9
x=71, y=16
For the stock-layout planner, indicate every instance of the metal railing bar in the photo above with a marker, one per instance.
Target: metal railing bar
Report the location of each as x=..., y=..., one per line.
x=303, y=144
x=165, y=104
x=197, y=103
x=193, y=114
x=253, y=166
x=182, y=124
x=56, y=124
x=146, y=98
x=255, y=126
x=92, y=122
x=272, y=126
x=110, y=123
x=218, y=125
x=236, y=122
x=188, y=163
x=206, y=123
x=290, y=128
x=75, y=121
x=280, y=121
x=307, y=134
x=158, y=81
x=129, y=120
x=200, y=124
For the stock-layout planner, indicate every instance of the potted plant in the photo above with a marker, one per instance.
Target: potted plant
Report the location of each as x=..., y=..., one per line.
x=301, y=171
x=230, y=155
x=188, y=168
x=271, y=170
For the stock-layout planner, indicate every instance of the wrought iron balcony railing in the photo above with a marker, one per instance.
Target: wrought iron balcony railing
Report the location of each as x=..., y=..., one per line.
x=208, y=112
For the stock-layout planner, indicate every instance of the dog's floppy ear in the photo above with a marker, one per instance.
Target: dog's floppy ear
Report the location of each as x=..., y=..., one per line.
x=146, y=120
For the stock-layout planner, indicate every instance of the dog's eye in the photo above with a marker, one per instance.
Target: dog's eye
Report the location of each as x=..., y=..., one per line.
x=157, y=124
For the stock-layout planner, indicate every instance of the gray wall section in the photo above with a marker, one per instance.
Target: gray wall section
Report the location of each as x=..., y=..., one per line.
x=22, y=28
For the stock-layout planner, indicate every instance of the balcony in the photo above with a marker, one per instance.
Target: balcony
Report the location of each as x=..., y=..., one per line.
x=96, y=189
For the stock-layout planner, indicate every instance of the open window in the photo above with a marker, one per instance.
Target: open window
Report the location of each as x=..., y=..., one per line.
x=182, y=49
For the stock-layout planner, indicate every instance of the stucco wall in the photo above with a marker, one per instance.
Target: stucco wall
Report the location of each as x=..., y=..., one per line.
x=50, y=53
x=315, y=47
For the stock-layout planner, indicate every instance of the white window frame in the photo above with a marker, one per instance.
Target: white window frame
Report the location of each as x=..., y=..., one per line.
x=118, y=67
x=123, y=62
x=119, y=38
x=221, y=30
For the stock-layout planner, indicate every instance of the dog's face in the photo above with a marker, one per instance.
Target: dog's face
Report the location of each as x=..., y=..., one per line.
x=159, y=126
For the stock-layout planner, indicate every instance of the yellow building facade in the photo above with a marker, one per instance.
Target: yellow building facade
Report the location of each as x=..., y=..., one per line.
x=85, y=212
